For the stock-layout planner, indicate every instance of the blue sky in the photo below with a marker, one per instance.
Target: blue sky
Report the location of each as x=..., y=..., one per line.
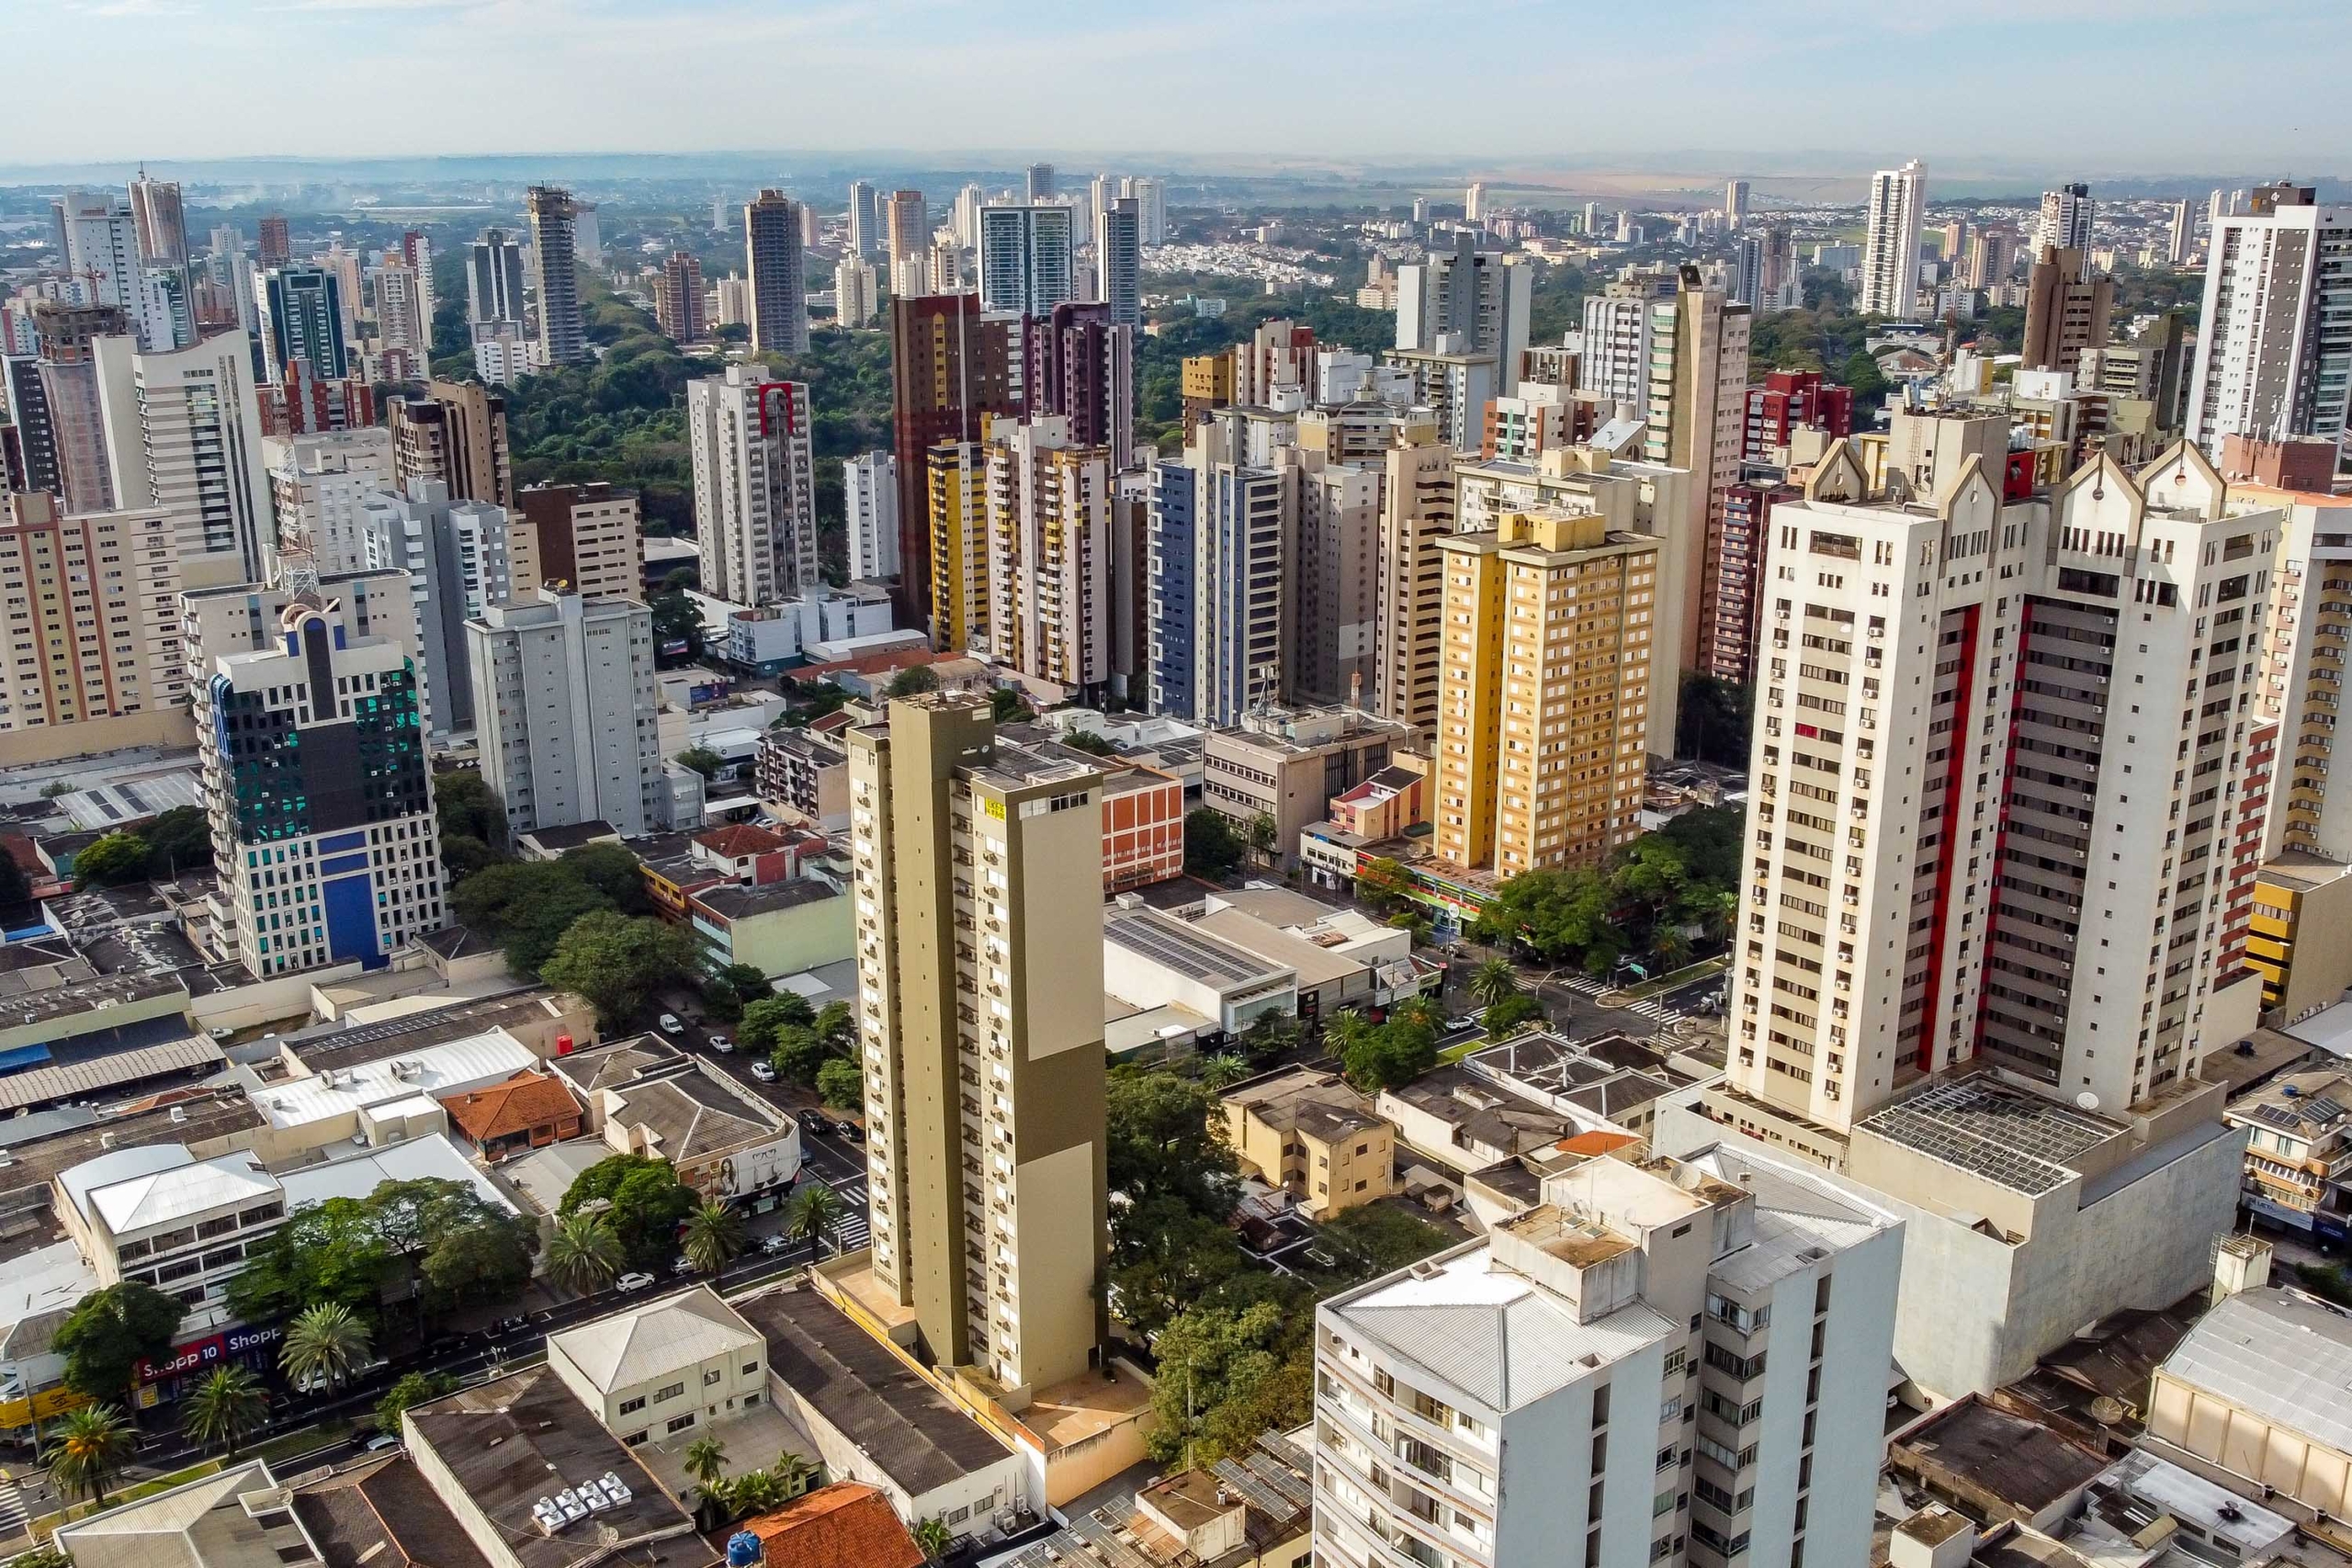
x=2112, y=85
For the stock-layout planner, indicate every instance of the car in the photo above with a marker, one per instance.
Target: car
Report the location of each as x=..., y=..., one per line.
x=670, y=1024
x=763, y=1072
x=720, y=1043
x=514, y=1324
x=774, y=1245
x=1465, y=1020
x=633, y=1281
x=850, y=1130
x=816, y=1122
x=223, y=1035
x=383, y=1442
x=681, y=1264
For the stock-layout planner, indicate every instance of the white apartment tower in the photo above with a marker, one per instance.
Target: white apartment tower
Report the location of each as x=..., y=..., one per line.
x=856, y=292
x=1026, y=259
x=870, y=501
x=494, y=280
x=755, y=506
x=563, y=711
x=1049, y=504
x=2274, y=341
x=459, y=561
x=1997, y=762
x=183, y=432
x=1891, y=241
x=317, y=483
x=1663, y=1361
x=1118, y=262
x=2066, y=222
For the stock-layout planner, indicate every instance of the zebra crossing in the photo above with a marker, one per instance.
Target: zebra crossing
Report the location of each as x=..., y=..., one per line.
x=14, y=1519
x=1659, y=1013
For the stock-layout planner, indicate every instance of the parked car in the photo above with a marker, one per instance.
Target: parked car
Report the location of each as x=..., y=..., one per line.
x=816, y=1122
x=763, y=1072
x=681, y=1264
x=720, y=1043
x=383, y=1442
x=670, y=1024
x=850, y=1130
x=774, y=1245
x=634, y=1281
x=1464, y=1021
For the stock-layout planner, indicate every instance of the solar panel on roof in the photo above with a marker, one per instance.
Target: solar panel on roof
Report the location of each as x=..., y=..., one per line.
x=1278, y=1473
x=2277, y=1116
x=1282, y=1448
x=2325, y=1108
x=1254, y=1491
x=1119, y=1553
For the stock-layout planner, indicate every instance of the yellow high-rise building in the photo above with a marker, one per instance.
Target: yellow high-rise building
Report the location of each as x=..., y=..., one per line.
x=959, y=544
x=1543, y=691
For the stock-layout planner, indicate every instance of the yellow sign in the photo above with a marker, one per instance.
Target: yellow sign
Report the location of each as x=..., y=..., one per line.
x=995, y=808
x=49, y=1401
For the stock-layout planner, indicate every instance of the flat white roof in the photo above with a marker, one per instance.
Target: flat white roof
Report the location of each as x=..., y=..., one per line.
x=431, y=1156
x=437, y=1070
x=2330, y=1029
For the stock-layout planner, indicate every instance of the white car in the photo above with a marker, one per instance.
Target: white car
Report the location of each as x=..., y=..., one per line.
x=633, y=1281
x=776, y=1244
x=670, y=1024
x=763, y=1072
x=681, y=1264
x=724, y=1046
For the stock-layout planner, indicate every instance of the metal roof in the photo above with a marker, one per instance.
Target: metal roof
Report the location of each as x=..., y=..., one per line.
x=2278, y=1354
x=1195, y=954
x=2006, y=1135
x=100, y=1074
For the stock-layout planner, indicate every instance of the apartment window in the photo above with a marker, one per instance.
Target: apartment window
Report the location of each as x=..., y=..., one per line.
x=628, y=1407
x=680, y=1423
x=671, y=1392
x=711, y=1377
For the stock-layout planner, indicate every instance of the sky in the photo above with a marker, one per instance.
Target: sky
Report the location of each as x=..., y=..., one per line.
x=2111, y=86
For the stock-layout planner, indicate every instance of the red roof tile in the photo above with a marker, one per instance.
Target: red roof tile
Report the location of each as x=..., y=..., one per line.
x=528, y=1100
x=738, y=840
x=846, y=1525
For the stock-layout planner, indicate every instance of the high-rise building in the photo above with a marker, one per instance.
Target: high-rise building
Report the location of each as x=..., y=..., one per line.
x=587, y=239
x=460, y=559
x=1543, y=691
x=908, y=225
x=1661, y=1361
x=1890, y=284
x=1118, y=260
x=1040, y=183
x=94, y=610
x=1049, y=504
x=1698, y=415
x=957, y=530
x=100, y=239
x=564, y=702
x=772, y=261
x=589, y=539
x=865, y=221
x=248, y=617
x=1207, y=384
x=417, y=251
x=54, y=406
x=1215, y=535
x=755, y=486
x=2066, y=223
x=1615, y=364
x=316, y=483
x=402, y=326
x=183, y=434
x=1281, y=357
x=1474, y=201
x=677, y=297
x=870, y=504
x=456, y=434
x=275, y=248
x=1151, y=206
x=1002, y=1264
x=1991, y=256
x=1332, y=594
x=1026, y=258
x=315, y=779
x=1466, y=301
x=555, y=262
x=494, y=280
x=1935, y=663
x=1735, y=200
x=302, y=312
x=950, y=368
x=2181, y=237
x=856, y=292
x=2274, y=341
x=161, y=222
x=2066, y=306
x=1077, y=363
x=1417, y=510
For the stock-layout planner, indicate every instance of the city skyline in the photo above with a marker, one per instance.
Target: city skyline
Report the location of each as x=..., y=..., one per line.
x=628, y=78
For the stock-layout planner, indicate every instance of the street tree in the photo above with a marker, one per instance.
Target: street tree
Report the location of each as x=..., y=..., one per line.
x=118, y=857
x=645, y=1203
x=227, y=1407
x=324, y=1345
x=584, y=1253
x=88, y=1451
x=815, y=1214
x=110, y=1331
x=713, y=1237
x=841, y=1084
x=412, y=1388
x=616, y=963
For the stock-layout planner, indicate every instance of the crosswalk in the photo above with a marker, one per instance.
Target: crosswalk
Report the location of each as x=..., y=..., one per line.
x=13, y=1520
x=1656, y=1011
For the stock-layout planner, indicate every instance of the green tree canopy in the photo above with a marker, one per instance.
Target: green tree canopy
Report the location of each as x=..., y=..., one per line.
x=616, y=963
x=1006, y=705
x=1390, y=1055
x=841, y=1084
x=645, y=1202
x=1165, y=1256
x=110, y=1331
x=116, y=858
x=702, y=760
x=765, y=1018
x=1227, y=1374
x=912, y=681
x=332, y=1251
x=611, y=870
x=411, y=1389
x=1165, y=1137
x=465, y=805
x=525, y=907
x=1212, y=848
x=177, y=841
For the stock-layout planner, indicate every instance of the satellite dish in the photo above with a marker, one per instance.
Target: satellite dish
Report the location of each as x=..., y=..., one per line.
x=2087, y=1100
x=2106, y=1410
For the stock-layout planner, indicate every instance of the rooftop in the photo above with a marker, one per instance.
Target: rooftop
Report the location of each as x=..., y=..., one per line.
x=2011, y=1458
x=523, y=1441
x=382, y=1513
x=1481, y=1110
x=2306, y=1105
x=573, y=835
x=202, y=1524
x=735, y=903
x=740, y=839
x=1314, y=963
x=135, y=1189
x=1611, y=1076
x=1317, y=1102
x=432, y=1073
x=523, y=1102
x=33, y=1165
x=192, y=1057
x=691, y=1114
x=432, y=1156
x=2113, y=1359
x=2278, y=1354
x=615, y=1062
x=632, y=1346
x=349, y=1045
x=846, y=1525
x=1982, y=1126
x=910, y=1429
x=1182, y=947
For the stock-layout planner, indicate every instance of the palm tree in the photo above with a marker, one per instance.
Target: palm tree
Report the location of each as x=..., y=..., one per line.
x=585, y=1253
x=226, y=1408
x=1343, y=1030
x=714, y=1235
x=756, y=1492
x=1416, y=1009
x=794, y=1473
x=932, y=1538
x=324, y=1345
x=91, y=1446
x=815, y=1211
x=1494, y=980
x=706, y=1460
x=1223, y=1071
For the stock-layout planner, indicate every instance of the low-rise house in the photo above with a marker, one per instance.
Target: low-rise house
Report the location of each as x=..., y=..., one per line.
x=679, y=1364
x=528, y=1112
x=1307, y=1132
x=724, y=1142
x=235, y=1518
x=846, y=1525
x=1463, y=1121
x=2298, y=1151
x=782, y=928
